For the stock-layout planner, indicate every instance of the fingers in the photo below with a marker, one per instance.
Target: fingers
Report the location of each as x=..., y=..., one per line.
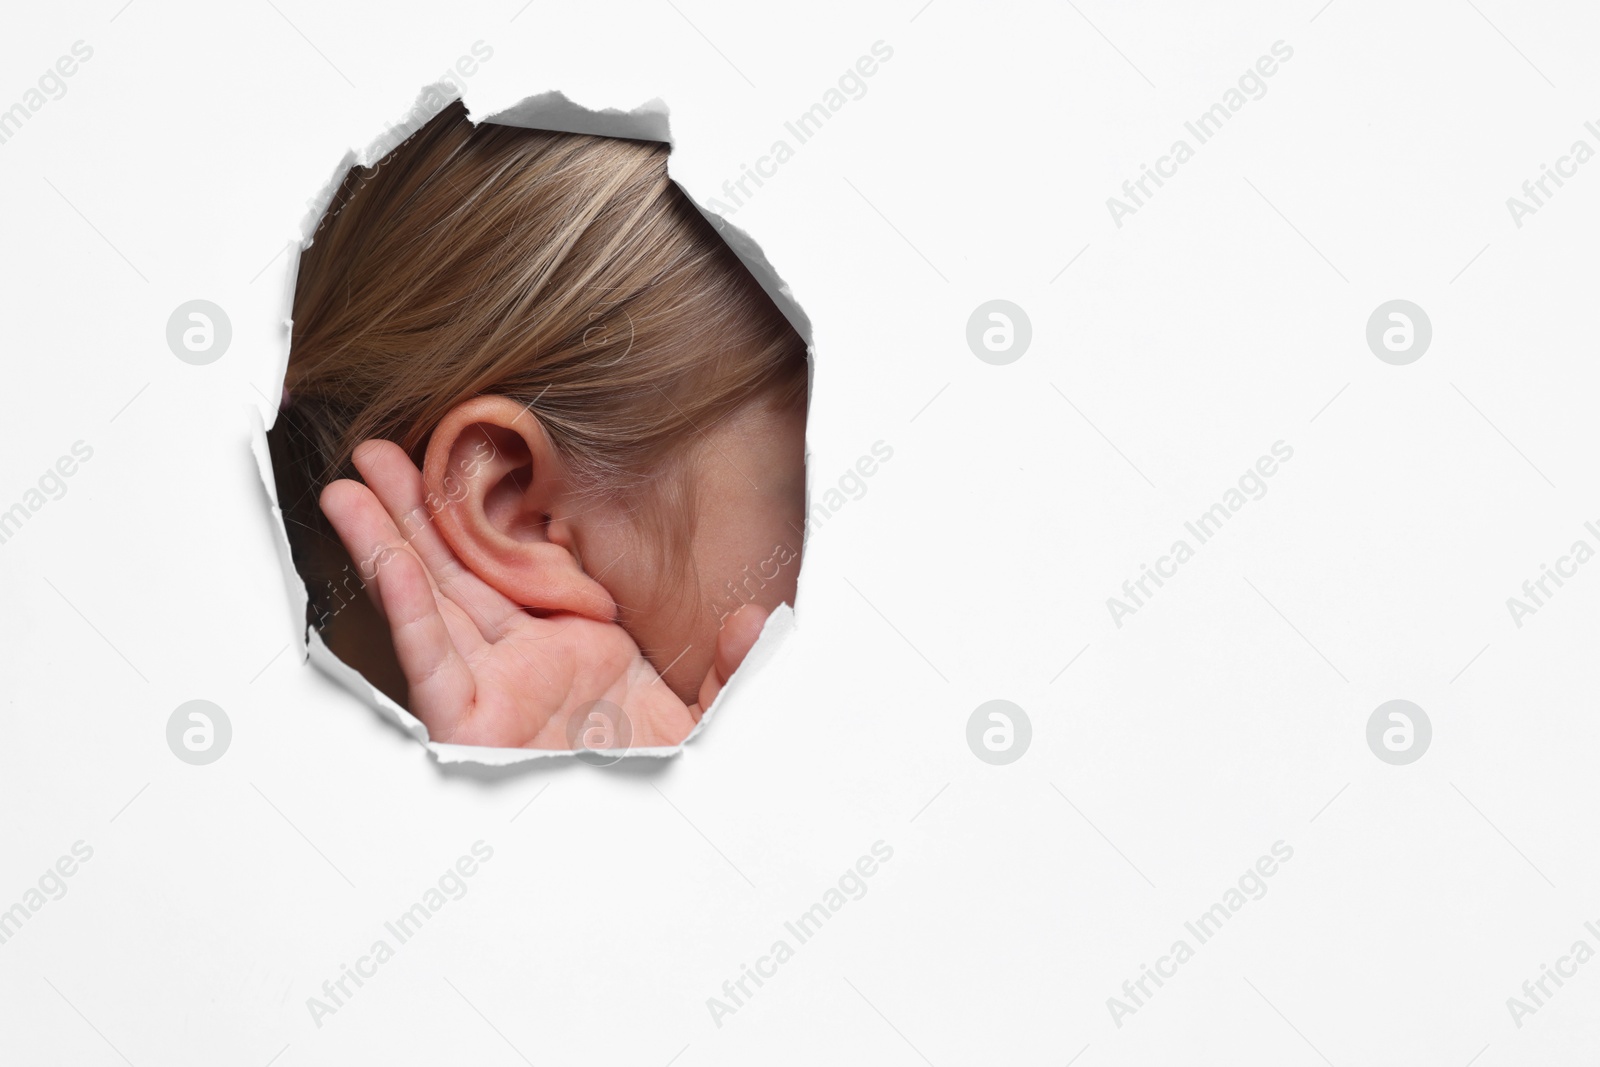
x=441, y=686
x=426, y=643
x=734, y=642
x=398, y=485
x=362, y=527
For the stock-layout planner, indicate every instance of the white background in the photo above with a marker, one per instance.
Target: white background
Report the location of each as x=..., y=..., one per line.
x=1227, y=714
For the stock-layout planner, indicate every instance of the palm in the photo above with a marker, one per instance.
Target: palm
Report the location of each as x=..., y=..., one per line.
x=481, y=669
x=536, y=675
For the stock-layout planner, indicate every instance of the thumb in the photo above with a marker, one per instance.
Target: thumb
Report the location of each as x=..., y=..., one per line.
x=734, y=641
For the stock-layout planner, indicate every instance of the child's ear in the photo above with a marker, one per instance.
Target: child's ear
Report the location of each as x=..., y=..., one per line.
x=496, y=487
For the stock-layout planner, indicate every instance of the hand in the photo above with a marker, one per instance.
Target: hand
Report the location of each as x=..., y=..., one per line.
x=481, y=669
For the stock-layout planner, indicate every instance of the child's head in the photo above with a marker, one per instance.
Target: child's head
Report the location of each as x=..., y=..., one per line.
x=607, y=410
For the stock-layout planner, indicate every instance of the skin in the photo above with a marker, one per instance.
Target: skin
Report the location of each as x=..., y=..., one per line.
x=513, y=603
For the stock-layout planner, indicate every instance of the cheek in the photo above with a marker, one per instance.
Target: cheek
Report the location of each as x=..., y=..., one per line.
x=666, y=614
x=764, y=573
x=784, y=566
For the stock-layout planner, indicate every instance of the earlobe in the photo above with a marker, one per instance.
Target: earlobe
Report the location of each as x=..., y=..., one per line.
x=498, y=490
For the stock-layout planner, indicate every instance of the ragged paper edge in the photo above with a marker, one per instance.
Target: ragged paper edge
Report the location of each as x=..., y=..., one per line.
x=779, y=625
x=650, y=121
x=550, y=111
x=294, y=586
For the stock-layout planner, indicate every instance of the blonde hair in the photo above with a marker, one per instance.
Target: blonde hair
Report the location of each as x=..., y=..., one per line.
x=565, y=271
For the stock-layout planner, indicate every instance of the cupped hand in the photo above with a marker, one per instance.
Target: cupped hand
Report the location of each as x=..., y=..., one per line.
x=482, y=669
